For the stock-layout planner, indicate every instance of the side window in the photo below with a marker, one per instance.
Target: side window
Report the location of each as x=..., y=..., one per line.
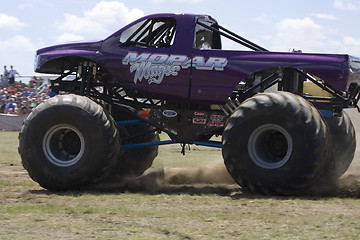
x=156, y=32
x=206, y=38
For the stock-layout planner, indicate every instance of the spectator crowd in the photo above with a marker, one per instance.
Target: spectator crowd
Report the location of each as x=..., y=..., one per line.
x=19, y=98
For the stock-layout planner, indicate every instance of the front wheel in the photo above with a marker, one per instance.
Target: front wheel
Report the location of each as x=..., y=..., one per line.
x=68, y=142
x=275, y=143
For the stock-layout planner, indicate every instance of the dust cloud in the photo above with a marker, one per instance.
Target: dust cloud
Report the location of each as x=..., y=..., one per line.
x=213, y=178
x=349, y=186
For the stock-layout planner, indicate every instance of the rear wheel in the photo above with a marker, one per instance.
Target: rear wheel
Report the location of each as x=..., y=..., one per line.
x=343, y=142
x=275, y=143
x=68, y=142
x=136, y=160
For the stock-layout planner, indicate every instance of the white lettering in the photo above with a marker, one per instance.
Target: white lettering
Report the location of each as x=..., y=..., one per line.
x=176, y=59
x=133, y=57
x=217, y=63
x=154, y=67
x=158, y=58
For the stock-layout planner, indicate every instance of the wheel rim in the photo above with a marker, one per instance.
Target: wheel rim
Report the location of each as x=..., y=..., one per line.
x=63, y=145
x=270, y=146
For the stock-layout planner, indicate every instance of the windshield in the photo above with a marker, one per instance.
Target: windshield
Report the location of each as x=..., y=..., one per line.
x=156, y=32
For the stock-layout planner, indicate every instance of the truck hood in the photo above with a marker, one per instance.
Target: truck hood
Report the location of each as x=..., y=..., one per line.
x=52, y=59
x=90, y=46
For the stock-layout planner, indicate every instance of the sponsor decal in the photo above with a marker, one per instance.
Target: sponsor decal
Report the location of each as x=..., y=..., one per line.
x=215, y=124
x=169, y=113
x=216, y=118
x=145, y=113
x=201, y=121
x=154, y=67
x=216, y=121
x=199, y=118
x=199, y=114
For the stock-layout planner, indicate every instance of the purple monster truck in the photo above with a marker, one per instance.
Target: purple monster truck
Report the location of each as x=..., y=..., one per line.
x=280, y=114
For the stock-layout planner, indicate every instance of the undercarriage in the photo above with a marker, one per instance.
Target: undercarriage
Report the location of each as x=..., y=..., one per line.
x=188, y=123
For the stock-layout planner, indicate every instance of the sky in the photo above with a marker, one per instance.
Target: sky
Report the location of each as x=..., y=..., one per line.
x=321, y=26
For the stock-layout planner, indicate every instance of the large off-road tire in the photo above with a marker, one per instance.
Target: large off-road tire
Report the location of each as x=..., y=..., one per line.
x=343, y=142
x=134, y=161
x=275, y=143
x=68, y=142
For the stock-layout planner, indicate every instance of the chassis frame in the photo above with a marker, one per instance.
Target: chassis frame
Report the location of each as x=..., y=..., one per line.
x=91, y=80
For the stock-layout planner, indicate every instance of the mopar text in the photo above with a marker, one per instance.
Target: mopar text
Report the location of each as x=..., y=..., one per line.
x=154, y=67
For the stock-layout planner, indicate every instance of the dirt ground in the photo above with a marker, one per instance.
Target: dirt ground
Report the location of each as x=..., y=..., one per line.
x=180, y=197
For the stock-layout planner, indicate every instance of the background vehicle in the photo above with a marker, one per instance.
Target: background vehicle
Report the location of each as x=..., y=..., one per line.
x=280, y=114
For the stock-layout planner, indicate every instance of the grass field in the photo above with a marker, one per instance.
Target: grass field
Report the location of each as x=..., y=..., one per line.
x=197, y=201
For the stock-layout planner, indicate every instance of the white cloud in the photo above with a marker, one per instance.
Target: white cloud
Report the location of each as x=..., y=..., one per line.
x=324, y=16
x=351, y=46
x=101, y=20
x=262, y=18
x=347, y=4
x=177, y=1
x=297, y=24
x=69, y=37
x=351, y=41
x=25, y=5
x=110, y=13
x=10, y=22
x=77, y=24
x=298, y=33
x=17, y=43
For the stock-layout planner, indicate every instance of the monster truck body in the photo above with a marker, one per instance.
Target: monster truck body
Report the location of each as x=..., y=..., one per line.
x=168, y=72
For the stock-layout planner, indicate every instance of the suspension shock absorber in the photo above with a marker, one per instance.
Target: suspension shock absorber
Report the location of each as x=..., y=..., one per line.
x=89, y=78
x=82, y=73
x=87, y=72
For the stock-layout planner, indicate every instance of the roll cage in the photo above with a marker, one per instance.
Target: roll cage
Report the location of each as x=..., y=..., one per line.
x=154, y=32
